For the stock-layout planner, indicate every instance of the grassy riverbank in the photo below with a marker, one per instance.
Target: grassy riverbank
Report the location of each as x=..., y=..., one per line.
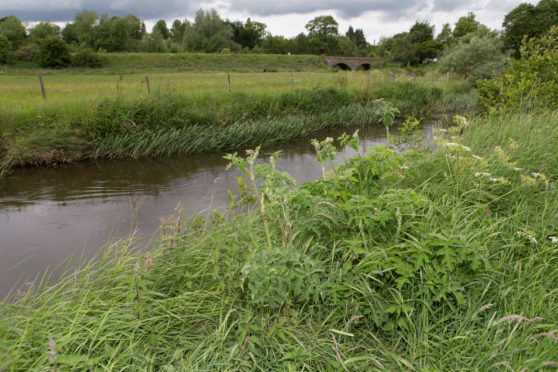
x=425, y=260
x=173, y=121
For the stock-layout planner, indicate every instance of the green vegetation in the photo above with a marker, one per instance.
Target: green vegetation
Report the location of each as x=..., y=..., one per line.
x=196, y=115
x=422, y=260
x=530, y=82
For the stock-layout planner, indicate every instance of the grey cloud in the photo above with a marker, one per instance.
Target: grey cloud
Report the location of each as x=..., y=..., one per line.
x=346, y=9
x=36, y=10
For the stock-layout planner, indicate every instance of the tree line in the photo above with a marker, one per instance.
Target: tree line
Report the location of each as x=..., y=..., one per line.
x=88, y=33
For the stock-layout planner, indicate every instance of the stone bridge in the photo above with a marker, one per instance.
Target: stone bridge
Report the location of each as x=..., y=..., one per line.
x=352, y=63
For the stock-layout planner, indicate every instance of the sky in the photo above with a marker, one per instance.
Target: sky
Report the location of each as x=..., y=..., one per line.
x=377, y=18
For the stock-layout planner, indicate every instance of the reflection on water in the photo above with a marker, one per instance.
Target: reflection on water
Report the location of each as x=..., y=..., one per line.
x=47, y=215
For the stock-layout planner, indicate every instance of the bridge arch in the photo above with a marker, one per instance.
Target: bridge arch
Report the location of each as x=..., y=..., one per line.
x=364, y=66
x=342, y=66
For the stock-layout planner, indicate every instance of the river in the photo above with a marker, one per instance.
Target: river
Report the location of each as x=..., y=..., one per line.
x=48, y=215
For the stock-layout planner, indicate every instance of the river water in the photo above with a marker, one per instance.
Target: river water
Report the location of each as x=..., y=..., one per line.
x=48, y=215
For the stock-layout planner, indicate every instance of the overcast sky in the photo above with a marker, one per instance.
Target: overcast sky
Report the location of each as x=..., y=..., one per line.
x=283, y=17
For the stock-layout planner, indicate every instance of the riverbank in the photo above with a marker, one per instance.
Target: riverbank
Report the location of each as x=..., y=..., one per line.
x=425, y=260
x=170, y=123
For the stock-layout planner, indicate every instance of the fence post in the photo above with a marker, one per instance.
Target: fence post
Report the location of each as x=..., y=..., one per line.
x=147, y=84
x=229, y=81
x=292, y=81
x=448, y=76
x=42, y=86
x=392, y=78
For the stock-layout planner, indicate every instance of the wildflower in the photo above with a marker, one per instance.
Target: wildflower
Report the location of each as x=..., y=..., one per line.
x=513, y=144
x=553, y=239
x=482, y=174
x=530, y=235
x=528, y=181
x=328, y=140
x=517, y=169
x=461, y=121
x=404, y=167
x=476, y=157
x=250, y=152
x=455, y=144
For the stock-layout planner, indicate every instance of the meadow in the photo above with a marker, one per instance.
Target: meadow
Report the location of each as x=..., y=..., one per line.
x=426, y=260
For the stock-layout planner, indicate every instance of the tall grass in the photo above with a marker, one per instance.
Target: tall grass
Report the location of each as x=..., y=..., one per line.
x=170, y=123
x=425, y=260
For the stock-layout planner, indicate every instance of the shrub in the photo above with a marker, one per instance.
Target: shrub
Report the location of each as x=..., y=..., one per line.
x=27, y=53
x=54, y=53
x=476, y=56
x=87, y=58
x=530, y=82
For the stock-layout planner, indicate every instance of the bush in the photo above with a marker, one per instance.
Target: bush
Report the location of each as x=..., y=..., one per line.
x=87, y=58
x=530, y=82
x=27, y=53
x=54, y=53
x=476, y=56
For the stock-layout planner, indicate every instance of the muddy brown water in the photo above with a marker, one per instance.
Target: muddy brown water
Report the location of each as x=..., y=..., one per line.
x=49, y=215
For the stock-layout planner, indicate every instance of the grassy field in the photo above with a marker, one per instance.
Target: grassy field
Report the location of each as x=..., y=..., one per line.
x=85, y=116
x=437, y=260
x=116, y=63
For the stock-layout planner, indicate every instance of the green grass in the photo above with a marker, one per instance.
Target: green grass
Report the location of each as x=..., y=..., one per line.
x=197, y=62
x=82, y=120
x=425, y=260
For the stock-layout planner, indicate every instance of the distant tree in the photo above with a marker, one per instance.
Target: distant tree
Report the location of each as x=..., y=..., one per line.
x=5, y=47
x=323, y=25
x=445, y=36
x=12, y=28
x=276, y=45
x=475, y=56
x=117, y=34
x=80, y=31
x=527, y=20
x=53, y=53
x=161, y=26
x=357, y=37
x=323, y=35
x=302, y=44
x=421, y=32
x=428, y=50
x=465, y=25
x=43, y=30
x=177, y=30
x=209, y=33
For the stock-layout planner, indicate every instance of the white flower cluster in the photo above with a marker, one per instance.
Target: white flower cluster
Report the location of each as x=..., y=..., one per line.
x=523, y=234
x=553, y=239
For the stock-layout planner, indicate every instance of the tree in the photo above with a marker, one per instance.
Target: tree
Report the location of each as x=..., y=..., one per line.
x=12, y=28
x=421, y=32
x=53, y=52
x=530, y=81
x=445, y=36
x=475, y=56
x=209, y=33
x=323, y=25
x=43, y=30
x=5, y=47
x=527, y=20
x=117, y=34
x=161, y=26
x=80, y=31
x=465, y=25
x=357, y=37
x=177, y=30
